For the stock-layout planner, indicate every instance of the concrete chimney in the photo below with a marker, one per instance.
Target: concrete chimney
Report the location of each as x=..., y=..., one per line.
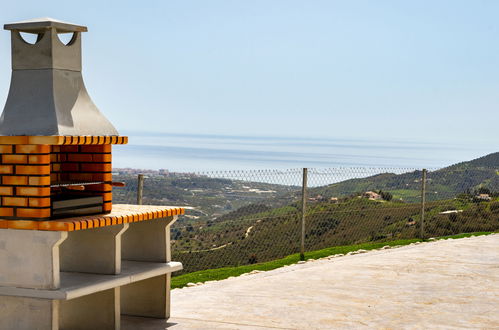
x=47, y=95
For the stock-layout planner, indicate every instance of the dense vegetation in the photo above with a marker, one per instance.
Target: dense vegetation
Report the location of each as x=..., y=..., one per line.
x=235, y=222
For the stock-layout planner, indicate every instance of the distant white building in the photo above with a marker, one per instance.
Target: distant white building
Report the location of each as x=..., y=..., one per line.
x=483, y=197
x=372, y=195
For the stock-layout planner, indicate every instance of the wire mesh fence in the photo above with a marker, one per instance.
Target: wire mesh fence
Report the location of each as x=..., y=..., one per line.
x=245, y=217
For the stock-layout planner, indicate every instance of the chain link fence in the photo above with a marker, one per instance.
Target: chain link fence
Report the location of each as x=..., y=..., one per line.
x=244, y=217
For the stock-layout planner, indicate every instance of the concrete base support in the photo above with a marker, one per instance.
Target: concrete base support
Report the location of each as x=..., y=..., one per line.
x=31, y=262
x=99, y=310
x=96, y=251
x=147, y=298
x=148, y=240
x=30, y=258
x=28, y=313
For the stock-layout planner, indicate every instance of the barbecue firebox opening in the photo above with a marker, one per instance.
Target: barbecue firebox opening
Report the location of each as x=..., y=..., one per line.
x=80, y=179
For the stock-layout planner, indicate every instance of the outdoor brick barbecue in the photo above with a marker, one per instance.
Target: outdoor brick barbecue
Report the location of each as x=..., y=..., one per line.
x=55, y=143
x=68, y=258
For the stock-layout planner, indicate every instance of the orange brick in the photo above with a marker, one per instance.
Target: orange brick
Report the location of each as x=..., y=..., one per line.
x=80, y=177
x=39, y=180
x=102, y=176
x=15, y=159
x=39, y=159
x=83, y=224
x=13, y=140
x=70, y=167
x=55, y=148
x=6, y=191
x=14, y=201
x=54, y=158
x=38, y=202
x=3, y=224
x=22, y=224
x=102, y=222
x=79, y=157
x=67, y=140
x=102, y=158
x=96, y=167
x=33, y=191
x=55, y=225
x=54, y=177
x=76, y=224
x=48, y=140
x=102, y=148
x=33, y=149
x=107, y=140
x=90, y=224
x=41, y=169
x=6, y=212
x=33, y=213
x=6, y=169
x=107, y=207
x=5, y=149
x=15, y=180
x=55, y=167
x=69, y=149
x=107, y=197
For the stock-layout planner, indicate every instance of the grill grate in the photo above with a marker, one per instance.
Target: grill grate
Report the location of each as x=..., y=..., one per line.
x=75, y=183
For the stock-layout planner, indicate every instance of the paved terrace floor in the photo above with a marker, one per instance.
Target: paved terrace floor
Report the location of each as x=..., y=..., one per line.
x=443, y=284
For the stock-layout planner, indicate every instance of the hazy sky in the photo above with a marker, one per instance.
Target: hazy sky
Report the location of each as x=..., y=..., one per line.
x=377, y=69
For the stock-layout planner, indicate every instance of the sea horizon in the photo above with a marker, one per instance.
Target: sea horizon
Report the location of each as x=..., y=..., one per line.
x=185, y=152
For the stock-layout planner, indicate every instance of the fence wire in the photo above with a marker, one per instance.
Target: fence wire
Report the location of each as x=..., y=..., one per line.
x=244, y=217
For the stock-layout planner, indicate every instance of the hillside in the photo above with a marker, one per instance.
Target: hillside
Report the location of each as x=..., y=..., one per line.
x=234, y=222
x=443, y=183
x=276, y=233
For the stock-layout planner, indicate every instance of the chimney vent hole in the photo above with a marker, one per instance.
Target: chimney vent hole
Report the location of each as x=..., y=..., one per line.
x=67, y=38
x=31, y=38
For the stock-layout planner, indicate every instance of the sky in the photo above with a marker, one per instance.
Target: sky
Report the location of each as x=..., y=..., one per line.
x=392, y=70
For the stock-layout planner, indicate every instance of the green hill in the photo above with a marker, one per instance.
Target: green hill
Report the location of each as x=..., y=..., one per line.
x=443, y=183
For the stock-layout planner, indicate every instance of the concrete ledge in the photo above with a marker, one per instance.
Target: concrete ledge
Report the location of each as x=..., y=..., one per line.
x=74, y=285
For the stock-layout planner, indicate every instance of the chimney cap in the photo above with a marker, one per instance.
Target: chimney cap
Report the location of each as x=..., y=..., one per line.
x=38, y=25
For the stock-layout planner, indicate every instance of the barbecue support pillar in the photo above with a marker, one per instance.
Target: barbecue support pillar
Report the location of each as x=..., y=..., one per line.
x=95, y=250
x=28, y=313
x=148, y=241
x=30, y=258
x=99, y=310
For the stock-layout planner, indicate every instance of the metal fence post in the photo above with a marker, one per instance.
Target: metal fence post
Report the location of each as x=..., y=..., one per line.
x=140, y=188
x=303, y=210
x=423, y=201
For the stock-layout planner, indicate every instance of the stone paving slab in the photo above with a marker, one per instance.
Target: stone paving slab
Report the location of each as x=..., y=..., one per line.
x=447, y=284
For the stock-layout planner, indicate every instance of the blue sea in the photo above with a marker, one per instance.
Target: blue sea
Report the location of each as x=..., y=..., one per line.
x=198, y=152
